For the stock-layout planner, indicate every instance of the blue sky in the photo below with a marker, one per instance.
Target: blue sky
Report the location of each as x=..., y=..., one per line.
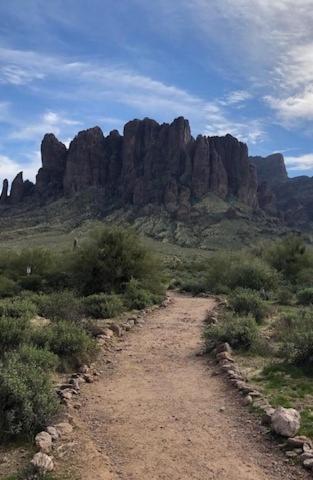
x=243, y=67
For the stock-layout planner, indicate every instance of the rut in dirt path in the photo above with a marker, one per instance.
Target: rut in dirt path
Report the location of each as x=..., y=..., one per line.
x=157, y=415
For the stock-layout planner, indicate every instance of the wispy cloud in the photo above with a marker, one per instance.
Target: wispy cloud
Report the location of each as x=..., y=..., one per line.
x=10, y=167
x=48, y=122
x=301, y=162
x=91, y=81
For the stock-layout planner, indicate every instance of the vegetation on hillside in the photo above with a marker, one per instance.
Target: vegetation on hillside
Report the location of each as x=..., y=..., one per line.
x=107, y=274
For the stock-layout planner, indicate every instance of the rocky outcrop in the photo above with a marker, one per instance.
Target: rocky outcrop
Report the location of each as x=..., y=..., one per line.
x=4, y=194
x=271, y=169
x=150, y=164
x=49, y=180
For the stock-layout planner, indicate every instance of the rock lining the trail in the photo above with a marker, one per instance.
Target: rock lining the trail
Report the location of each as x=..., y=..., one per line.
x=284, y=422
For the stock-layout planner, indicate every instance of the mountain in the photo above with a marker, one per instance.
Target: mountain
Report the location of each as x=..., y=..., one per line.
x=149, y=164
x=170, y=185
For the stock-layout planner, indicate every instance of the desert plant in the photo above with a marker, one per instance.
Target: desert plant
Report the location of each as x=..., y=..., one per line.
x=239, y=332
x=13, y=332
x=8, y=287
x=285, y=296
x=39, y=357
x=27, y=400
x=245, y=302
x=18, y=308
x=63, y=305
x=305, y=296
x=103, y=305
x=67, y=340
x=289, y=256
x=109, y=259
x=137, y=297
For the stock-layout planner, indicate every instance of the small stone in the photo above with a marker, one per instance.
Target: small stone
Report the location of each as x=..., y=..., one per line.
x=117, y=329
x=308, y=463
x=247, y=400
x=42, y=463
x=222, y=409
x=291, y=454
x=43, y=441
x=223, y=347
x=298, y=441
x=88, y=378
x=66, y=395
x=84, y=369
x=307, y=455
x=64, y=428
x=53, y=433
x=224, y=356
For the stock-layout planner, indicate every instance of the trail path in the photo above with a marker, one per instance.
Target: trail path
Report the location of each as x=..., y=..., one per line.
x=157, y=413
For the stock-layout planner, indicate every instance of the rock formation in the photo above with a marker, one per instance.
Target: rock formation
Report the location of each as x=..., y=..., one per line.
x=151, y=163
x=163, y=165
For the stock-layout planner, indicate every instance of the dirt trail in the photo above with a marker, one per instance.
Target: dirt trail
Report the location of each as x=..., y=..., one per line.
x=156, y=413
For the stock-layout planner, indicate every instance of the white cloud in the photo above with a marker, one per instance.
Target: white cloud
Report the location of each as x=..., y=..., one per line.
x=9, y=167
x=301, y=162
x=236, y=97
x=48, y=122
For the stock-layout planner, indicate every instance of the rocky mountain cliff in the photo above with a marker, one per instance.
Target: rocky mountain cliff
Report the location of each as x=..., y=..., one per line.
x=149, y=164
x=162, y=165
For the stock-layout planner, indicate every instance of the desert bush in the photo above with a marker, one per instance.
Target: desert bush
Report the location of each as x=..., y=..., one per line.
x=102, y=305
x=27, y=400
x=239, y=332
x=297, y=339
x=8, y=287
x=285, y=296
x=245, y=302
x=109, y=259
x=17, y=308
x=305, y=296
x=13, y=332
x=227, y=271
x=67, y=340
x=39, y=357
x=137, y=297
x=290, y=257
x=63, y=305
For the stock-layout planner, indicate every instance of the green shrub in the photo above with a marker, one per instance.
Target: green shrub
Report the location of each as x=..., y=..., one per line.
x=67, y=340
x=226, y=271
x=8, y=287
x=305, y=296
x=108, y=261
x=295, y=333
x=13, y=332
x=18, y=308
x=39, y=357
x=60, y=306
x=245, y=302
x=285, y=296
x=102, y=305
x=27, y=400
x=239, y=332
x=136, y=297
x=290, y=257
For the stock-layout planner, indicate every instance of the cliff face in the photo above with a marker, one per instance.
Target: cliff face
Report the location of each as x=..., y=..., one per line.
x=151, y=163
x=271, y=169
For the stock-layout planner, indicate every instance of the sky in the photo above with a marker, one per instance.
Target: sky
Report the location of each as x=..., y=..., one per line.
x=243, y=67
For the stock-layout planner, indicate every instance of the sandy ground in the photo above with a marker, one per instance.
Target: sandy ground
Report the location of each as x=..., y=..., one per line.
x=159, y=412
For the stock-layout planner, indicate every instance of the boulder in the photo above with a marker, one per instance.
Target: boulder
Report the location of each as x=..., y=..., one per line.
x=43, y=441
x=285, y=421
x=42, y=463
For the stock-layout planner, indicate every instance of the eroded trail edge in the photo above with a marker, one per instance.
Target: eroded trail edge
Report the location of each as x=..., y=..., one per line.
x=160, y=412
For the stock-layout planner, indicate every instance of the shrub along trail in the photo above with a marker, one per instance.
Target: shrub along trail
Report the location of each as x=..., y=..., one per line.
x=160, y=412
